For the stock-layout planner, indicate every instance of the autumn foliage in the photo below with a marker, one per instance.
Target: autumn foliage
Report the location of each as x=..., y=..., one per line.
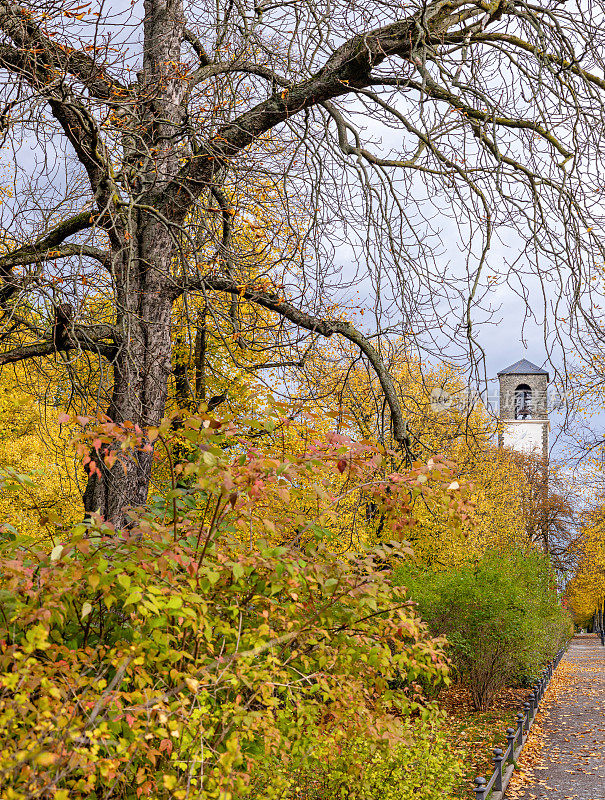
x=184, y=654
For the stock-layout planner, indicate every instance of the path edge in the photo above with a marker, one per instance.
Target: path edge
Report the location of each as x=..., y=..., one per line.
x=485, y=792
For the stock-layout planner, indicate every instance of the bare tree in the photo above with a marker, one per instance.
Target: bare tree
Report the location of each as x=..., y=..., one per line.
x=374, y=122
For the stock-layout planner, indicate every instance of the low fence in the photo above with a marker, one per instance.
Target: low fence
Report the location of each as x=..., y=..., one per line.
x=505, y=761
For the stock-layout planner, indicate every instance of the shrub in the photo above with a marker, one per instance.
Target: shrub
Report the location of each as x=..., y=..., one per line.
x=404, y=767
x=501, y=615
x=174, y=659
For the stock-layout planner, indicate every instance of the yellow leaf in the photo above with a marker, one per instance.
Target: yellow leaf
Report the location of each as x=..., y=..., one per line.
x=45, y=759
x=55, y=553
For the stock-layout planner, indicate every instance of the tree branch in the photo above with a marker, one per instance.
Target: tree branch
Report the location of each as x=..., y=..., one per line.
x=228, y=67
x=325, y=327
x=18, y=23
x=53, y=238
x=202, y=55
x=549, y=58
x=21, y=258
x=40, y=61
x=92, y=338
x=429, y=88
x=47, y=248
x=348, y=67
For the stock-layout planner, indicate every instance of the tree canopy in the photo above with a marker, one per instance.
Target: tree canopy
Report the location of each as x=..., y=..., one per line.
x=160, y=134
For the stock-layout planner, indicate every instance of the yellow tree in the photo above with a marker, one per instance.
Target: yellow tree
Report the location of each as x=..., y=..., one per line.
x=224, y=345
x=345, y=392
x=586, y=590
x=32, y=444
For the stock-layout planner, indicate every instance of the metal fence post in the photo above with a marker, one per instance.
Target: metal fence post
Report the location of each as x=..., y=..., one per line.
x=527, y=715
x=498, y=759
x=510, y=740
x=520, y=721
x=515, y=737
x=480, y=788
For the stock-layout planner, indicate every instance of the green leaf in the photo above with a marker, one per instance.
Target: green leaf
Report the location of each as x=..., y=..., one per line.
x=213, y=576
x=124, y=581
x=134, y=597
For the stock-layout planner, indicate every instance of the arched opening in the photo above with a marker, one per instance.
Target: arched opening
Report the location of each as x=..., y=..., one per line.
x=523, y=406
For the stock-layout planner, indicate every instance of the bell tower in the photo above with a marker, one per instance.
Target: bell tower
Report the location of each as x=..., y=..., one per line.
x=524, y=421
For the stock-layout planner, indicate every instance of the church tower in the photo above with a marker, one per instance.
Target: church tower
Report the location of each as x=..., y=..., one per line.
x=524, y=421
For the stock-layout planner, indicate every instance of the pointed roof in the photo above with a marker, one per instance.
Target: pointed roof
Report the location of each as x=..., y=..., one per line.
x=523, y=367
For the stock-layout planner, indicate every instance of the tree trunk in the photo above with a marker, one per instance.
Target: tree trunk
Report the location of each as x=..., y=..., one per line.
x=143, y=249
x=141, y=369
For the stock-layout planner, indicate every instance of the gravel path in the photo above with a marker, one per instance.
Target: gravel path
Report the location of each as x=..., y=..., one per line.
x=570, y=758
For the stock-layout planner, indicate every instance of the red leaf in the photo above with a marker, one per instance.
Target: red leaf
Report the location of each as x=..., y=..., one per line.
x=166, y=744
